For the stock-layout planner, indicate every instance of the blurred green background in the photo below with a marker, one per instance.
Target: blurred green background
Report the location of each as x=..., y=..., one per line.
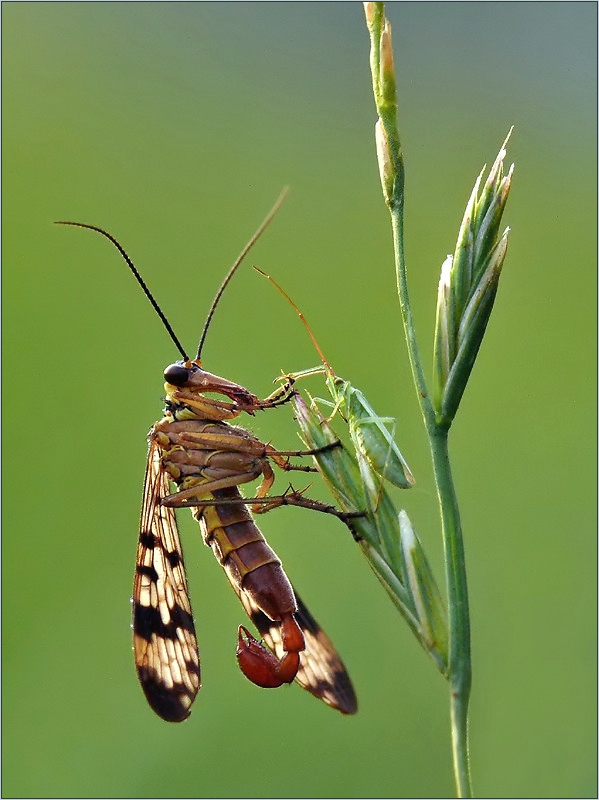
x=175, y=126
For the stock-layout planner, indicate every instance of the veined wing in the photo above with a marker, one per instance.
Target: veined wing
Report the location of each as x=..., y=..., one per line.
x=321, y=670
x=164, y=639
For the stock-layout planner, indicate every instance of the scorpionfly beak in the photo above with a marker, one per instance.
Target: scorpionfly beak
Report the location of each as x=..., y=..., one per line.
x=203, y=381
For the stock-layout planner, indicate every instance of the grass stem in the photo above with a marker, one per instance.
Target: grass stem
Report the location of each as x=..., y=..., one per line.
x=392, y=178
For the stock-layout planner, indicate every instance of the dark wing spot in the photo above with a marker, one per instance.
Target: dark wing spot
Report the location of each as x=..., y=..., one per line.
x=173, y=704
x=147, y=539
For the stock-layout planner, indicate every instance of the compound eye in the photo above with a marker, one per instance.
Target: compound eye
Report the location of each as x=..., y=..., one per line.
x=176, y=375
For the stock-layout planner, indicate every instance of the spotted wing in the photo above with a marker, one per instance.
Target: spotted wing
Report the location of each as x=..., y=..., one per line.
x=321, y=670
x=164, y=639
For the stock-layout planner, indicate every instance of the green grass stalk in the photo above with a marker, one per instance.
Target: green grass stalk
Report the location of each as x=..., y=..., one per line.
x=460, y=670
x=392, y=179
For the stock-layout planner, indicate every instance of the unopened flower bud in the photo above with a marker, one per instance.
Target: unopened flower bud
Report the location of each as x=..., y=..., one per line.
x=386, y=167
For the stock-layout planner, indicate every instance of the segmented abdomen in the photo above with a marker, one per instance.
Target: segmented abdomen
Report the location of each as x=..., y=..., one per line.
x=239, y=546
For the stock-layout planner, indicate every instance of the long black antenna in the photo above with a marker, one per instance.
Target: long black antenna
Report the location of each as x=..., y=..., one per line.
x=233, y=269
x=140, y=280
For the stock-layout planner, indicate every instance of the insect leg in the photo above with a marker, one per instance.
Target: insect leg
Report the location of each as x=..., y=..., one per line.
x=260, y=505
x=279, y=397
x=281, y=457
x=184, y=497
x=215, y=436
